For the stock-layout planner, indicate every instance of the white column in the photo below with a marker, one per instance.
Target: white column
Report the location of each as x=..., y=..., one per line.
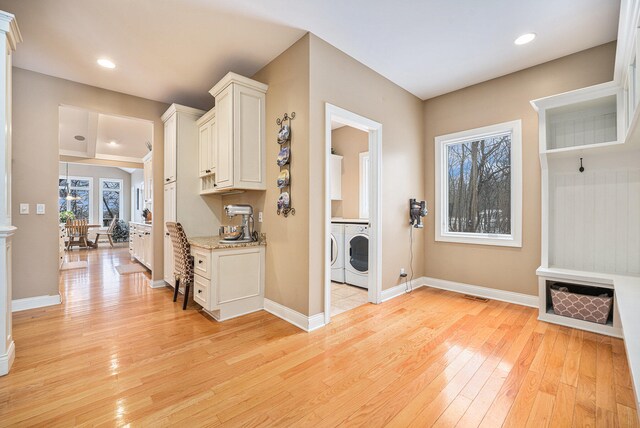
x=9, y=37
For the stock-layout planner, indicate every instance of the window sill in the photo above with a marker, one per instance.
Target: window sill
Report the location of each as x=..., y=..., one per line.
x=475, y=240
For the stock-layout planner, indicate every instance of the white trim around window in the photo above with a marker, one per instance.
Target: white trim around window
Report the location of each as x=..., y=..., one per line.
x=90, y=189
x=121, y=194
x=441, y=180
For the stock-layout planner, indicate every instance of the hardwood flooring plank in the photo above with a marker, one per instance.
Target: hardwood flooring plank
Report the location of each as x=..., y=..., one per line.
x=118, y=352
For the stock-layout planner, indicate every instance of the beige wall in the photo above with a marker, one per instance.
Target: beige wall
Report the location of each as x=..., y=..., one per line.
x=349, y=142
x=36, y=98
x=302, y=79
x=500, y=100
x=340, y=80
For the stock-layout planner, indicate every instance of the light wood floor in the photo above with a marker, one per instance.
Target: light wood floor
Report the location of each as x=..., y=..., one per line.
x=119, y=352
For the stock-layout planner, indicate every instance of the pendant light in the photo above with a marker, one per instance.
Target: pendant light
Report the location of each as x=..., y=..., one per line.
x=69, y=196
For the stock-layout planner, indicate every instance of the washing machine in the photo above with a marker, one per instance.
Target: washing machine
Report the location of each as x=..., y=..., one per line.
x=356, y=258
x=337, y=252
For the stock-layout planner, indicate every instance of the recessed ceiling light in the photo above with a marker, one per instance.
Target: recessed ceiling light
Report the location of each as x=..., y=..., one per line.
x=113, y=143
x=525, y=38
x=79, y=138
x=106, y=63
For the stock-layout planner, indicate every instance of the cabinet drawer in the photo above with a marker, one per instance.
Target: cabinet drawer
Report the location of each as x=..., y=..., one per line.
x=201, y=291
x=201, y=262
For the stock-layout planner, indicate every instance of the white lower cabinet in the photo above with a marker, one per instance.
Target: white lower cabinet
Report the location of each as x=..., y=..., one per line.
x=141, y=243
x=168, y=260
x=236, y=283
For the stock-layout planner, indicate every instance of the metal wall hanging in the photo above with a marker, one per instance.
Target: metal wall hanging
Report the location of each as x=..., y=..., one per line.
x=284, y=162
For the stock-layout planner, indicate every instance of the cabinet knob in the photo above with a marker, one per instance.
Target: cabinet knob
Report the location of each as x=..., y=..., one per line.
x=208, y=170
x=199, y=261
x=167, y=179
x=199, y=291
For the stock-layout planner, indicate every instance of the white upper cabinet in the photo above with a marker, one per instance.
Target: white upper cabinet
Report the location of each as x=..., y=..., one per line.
x=237, y=143
x=170, y=128
x=207, y=144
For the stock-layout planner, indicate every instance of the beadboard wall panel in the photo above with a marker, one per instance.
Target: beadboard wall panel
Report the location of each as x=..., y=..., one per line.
x=596, y=220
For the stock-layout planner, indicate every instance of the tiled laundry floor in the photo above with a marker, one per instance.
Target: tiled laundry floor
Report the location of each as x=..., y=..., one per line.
x=346, y=297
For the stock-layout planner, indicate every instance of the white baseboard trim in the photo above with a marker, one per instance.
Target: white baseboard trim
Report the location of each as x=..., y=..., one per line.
x=294, y=317
x=157, y=284
x=401, y=289
x=6, y=360
x=35, y=302
x=316, y=321
x=488, y=293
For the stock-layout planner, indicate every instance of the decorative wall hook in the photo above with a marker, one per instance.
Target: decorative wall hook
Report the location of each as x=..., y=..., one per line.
x=581, y=169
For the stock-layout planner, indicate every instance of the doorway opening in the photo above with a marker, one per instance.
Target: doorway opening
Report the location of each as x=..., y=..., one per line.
x=352, y=211
x=104, y=191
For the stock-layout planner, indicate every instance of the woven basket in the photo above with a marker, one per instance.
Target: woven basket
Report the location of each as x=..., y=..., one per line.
x=580, y=306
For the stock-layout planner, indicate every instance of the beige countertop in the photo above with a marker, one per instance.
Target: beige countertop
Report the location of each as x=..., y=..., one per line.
x=213, y=242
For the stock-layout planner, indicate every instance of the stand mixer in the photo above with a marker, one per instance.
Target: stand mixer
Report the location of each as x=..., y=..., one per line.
x=242, y=233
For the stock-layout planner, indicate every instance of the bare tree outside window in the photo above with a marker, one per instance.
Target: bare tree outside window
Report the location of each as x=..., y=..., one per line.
x=110, y=200
x=479, y=185
x=80, y=190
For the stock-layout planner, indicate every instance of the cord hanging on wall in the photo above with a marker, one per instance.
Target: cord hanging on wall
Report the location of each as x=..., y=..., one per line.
x=284, y=162
x=581, y=169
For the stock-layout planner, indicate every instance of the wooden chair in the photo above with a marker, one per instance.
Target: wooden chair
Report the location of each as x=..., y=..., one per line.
x=108, y=232
x=183, y=265
x=78, y=233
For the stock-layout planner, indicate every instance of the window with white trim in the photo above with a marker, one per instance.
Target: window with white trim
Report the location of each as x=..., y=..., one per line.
x=74, y=194
x=111, y=200
x=479, y=186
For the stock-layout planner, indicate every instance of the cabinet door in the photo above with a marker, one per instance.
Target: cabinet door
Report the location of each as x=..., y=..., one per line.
x=238, y=275
x=224, y=138
x=170, y=212
x=248, y=138
x=213, y=146
x=143, y=247
x=170, y=129
x=204, y=136
x=168, y=260
x=148, y=249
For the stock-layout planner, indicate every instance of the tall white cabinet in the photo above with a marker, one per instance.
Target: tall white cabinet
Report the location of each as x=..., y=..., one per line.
x=232, y=137
x=182, y=201
x=9, y=38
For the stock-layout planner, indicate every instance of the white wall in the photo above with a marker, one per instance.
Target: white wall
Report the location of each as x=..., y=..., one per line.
x=96, y=173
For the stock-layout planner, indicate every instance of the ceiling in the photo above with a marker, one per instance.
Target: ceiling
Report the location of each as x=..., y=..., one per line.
x=175, y=50
x=106, y=137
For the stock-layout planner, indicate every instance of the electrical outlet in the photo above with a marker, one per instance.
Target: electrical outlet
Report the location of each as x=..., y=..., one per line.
x=39, y=209
x=259, y=216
